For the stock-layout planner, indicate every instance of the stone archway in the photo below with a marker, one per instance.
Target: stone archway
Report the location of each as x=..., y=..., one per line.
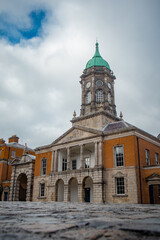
x=60, y=190
x=87, y=189
x=73, y=190
x=22, y=187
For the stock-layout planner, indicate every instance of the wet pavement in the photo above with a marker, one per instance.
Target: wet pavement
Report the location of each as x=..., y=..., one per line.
x=36, y=221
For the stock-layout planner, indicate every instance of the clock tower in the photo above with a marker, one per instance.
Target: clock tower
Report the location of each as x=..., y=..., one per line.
x=97, y=99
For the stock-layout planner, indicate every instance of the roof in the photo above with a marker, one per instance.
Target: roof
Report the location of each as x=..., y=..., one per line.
x=97, y=60
x=116, y=125
x=17, y=145
x=122, y=126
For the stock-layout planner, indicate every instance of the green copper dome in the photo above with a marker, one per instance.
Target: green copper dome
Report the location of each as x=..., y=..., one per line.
x=97, y=60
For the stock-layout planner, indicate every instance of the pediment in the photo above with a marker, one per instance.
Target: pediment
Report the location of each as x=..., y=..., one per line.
x=153, y=177
x=77, y=133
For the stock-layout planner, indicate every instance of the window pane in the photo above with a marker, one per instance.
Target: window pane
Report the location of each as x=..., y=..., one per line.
x=99, y=96
x=74, y=164
x=87, y=162
x=88, y=97
x=42, y=191
x=147, y=157
x=120, y=185
x=44, y=166
x=157, y=158
x=13, y=154
x=119, y=156
x=109, y=97
x=64, y=164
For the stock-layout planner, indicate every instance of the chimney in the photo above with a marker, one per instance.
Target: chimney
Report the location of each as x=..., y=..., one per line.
x=14, y=138
x=2, y=141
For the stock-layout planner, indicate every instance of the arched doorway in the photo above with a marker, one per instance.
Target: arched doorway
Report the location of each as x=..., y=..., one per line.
x=73, y=190
x=60, y=191
x=22, y=187
x=88, y=189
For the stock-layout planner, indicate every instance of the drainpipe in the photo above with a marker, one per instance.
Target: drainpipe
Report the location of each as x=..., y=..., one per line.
x=139, y=163
x=7, y=163
x=103, y=183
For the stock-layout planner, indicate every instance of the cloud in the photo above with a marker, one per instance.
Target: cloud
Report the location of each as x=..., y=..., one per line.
x=40, y=74
x=14, y=32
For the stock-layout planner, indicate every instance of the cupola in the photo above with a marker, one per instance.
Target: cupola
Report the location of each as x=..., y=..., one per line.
x=97, y=60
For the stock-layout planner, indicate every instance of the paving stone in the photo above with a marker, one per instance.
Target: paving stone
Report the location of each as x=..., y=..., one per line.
x=52, y=220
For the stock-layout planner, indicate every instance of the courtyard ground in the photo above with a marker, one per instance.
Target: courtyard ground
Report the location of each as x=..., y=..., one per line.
x=36, y=221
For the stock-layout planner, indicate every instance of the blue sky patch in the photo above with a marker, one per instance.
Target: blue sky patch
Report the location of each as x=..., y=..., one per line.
x=14, y=34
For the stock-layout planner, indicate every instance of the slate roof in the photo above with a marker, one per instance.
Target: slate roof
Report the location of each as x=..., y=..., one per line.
x=116, y=125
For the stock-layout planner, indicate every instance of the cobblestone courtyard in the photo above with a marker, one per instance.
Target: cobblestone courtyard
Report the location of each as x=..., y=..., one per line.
x=32, y=220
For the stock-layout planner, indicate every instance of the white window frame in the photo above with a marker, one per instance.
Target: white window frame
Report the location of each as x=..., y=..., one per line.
x=109, y=97
x=157, y=158
x=120, y=185
x=119, y=159
x=44, y=167
x=147, y=157
x=99, y=96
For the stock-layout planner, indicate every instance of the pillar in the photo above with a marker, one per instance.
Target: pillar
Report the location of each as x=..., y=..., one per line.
x=81, y=156
x=96, y=154
x=100, y=154
x=65, y=193
x=52, y=162
x=80, y=193
x=55, y=160
x=68, y=158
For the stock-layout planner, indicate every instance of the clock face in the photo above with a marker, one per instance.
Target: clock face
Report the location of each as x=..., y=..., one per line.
x=109, y=85
x=88, y=84
x=99, y=83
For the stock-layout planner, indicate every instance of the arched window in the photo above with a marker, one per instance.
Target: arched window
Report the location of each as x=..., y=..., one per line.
x=88, y=97
x=109, y=97
x=99, y=96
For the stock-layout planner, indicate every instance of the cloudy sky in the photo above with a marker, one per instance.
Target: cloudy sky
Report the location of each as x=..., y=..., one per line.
x=44, y=47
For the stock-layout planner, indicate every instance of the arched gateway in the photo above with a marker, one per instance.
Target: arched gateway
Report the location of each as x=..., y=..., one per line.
x=73, y=190
x=60, y=190
x=22, y=187
x=88, y=189
x=22, y=178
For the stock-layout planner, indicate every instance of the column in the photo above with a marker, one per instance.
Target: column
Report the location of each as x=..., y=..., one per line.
x=65, y=193
x=52, y=162
x=100, y=154
x=29, y=184
x=96, y=154
x=80, y=193
x=81, y=156
x=68, y=158
x=55, y=160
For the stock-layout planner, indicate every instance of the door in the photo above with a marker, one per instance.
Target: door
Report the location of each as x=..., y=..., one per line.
x=5, y=196
x=87, y=194
x=151, y=195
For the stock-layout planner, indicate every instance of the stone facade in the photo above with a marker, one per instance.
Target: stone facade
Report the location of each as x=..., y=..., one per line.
x=22, y=178
x=101, y=158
